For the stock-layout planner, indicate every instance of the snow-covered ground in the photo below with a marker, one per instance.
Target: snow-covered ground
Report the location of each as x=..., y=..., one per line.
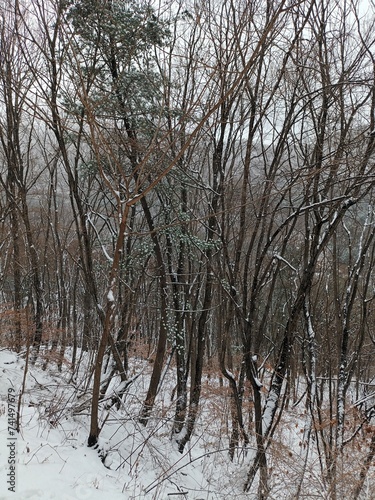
x=52, y=460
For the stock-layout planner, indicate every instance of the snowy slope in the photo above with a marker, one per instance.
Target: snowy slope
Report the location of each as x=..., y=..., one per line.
x=53, y=461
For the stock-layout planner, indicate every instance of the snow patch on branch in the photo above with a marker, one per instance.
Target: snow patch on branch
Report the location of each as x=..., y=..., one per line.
x=280, y=258
x=269, y=411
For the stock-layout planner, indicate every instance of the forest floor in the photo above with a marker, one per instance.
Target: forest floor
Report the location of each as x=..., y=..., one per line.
x=52, y=460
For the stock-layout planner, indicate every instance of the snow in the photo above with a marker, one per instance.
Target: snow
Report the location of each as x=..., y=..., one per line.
x=54, y=462
x=269, y=411
x=258, y=382
x=279, y=257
